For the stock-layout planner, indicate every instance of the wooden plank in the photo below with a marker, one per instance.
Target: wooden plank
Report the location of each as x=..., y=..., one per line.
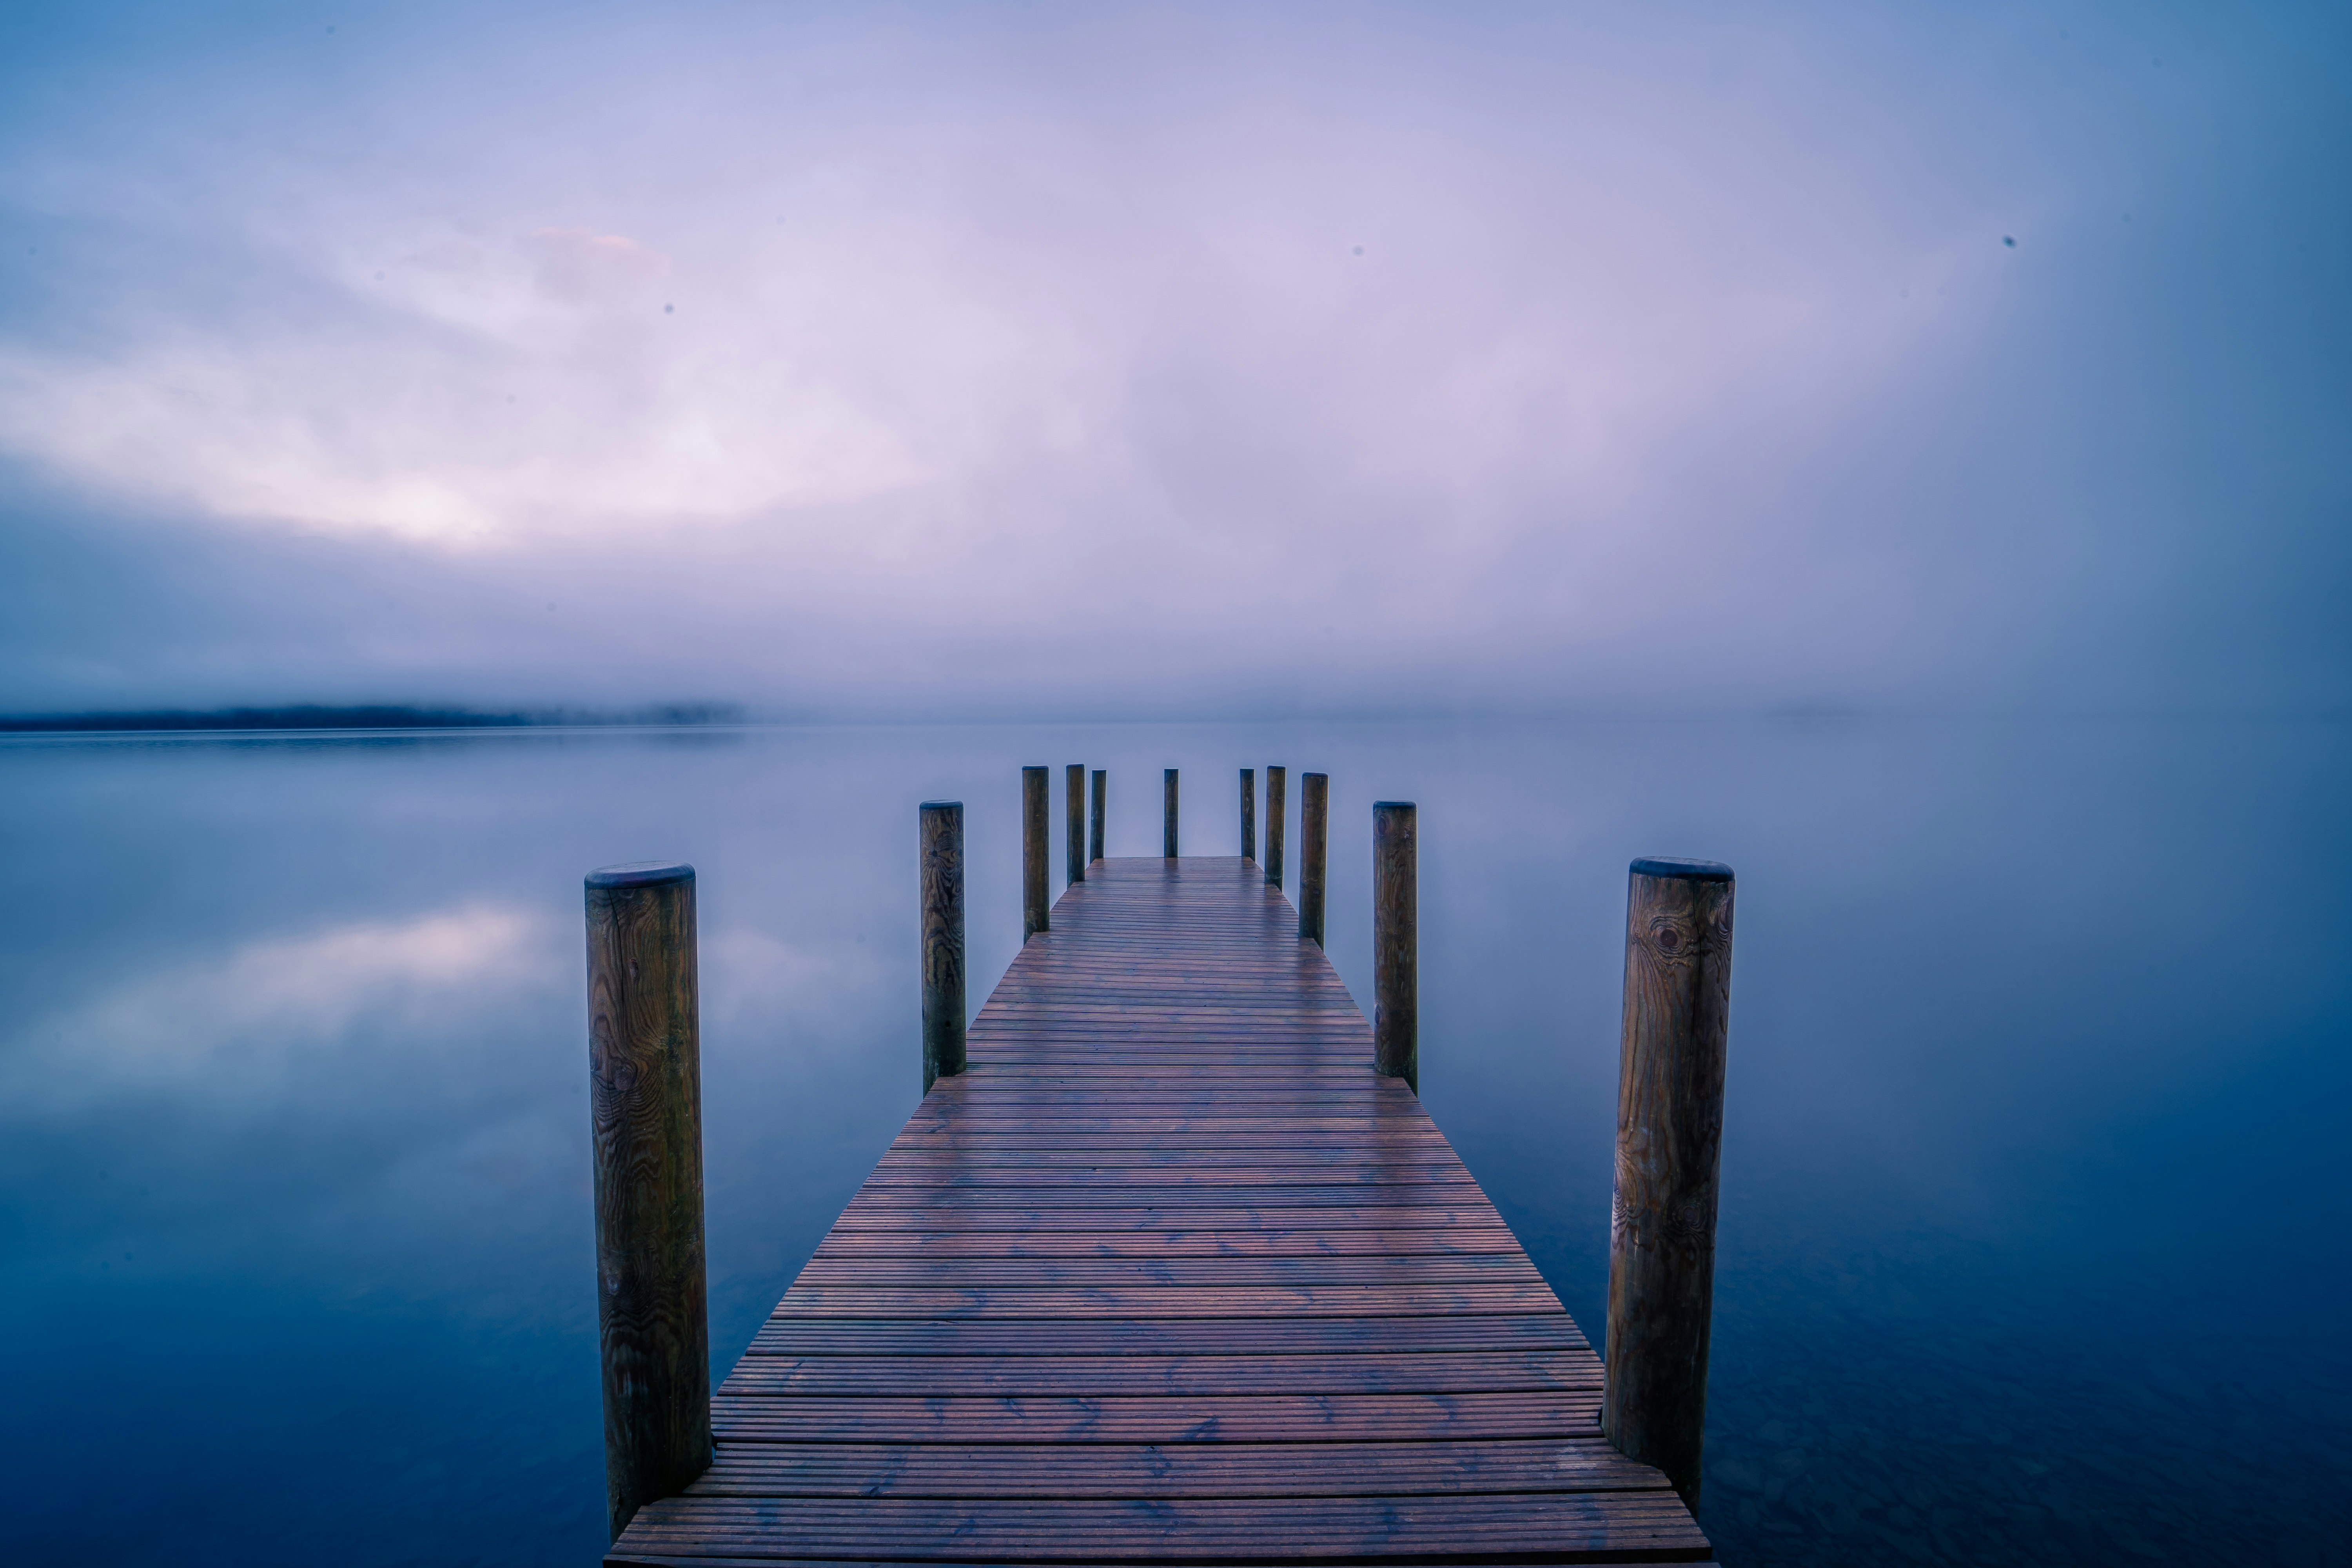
x=1251, y=1470
x=1080, y=1377
x=1239, y=1301
x=1414, y=1161
x=1164, y=1337
x=1075, y=1529
x=1208, y=1418
x=1167, y=1274
x=1176, y=1199
x=1451, y=1241
x=721, y=1557
x=869, y=1272
x=1175, y=1219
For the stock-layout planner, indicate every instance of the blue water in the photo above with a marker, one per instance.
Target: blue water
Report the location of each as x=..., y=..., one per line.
x=2034, y=1217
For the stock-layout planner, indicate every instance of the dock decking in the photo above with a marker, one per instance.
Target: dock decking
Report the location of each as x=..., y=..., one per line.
x=1167, y=1275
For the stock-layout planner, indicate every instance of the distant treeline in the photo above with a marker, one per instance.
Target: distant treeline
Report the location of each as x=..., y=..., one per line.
x=374, y=716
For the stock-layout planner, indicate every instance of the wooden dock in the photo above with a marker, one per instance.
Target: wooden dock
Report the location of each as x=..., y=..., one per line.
x=1167, y=1275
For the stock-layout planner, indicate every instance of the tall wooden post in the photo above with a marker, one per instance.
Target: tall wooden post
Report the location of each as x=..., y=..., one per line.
x=1249, y=813
x=1396, y=941
x=941, y=843
x=1314, y=839
x=645, y=1097
x=1074, y=822
x=1669, y=1144
x=1095, y=817
x=1168, y=809
x=1276, y=781
x=1034, y=856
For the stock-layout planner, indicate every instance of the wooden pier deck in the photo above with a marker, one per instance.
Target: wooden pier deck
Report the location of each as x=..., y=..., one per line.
x=1167, y=1275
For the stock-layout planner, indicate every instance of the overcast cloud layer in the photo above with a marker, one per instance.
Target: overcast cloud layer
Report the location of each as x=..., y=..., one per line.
x=1119, y=361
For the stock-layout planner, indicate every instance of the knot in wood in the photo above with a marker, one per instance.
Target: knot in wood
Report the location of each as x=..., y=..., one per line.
x=1686, y=1222
x=1682, y=937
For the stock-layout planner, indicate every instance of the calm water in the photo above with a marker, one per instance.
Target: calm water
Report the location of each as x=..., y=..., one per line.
x=2034, y=1234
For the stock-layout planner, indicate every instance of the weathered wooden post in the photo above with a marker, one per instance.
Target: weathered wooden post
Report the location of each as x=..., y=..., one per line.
x=943, y=998
x=1033, y=918
x=1168, y=810
x=1276, y=780
x=1669, y=1143
x=1073, y=815
x=1314, y=839
x=1095, y=817
x=1249, y=813
x=645, y=1097
x=1396, y=940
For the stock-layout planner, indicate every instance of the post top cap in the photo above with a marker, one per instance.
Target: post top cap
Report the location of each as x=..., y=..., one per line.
x=1393, y=805
x=942, y=805
x=1683, y=870
x=641, y=874
x=1036, y=768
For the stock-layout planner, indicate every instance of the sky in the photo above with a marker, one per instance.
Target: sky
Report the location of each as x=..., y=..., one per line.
x=1127, y=361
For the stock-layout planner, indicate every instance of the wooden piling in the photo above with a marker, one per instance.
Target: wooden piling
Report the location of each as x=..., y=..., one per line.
x=1074, y=822
x=1249, y=813
x=1314, y=839
x=1396, y=939
x=942, y=844
x=1095, y=817
x=1167, y=811
x=1669, y=1144
x=1276, y=781
x=644, y=1076
x=1033, y=855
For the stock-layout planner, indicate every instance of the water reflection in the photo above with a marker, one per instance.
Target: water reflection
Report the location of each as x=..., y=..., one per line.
x=229, y=1033
x=2029, y=1200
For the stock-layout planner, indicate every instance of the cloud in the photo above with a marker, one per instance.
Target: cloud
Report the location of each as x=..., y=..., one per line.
x=1212, y=357
x=463, y=392
x=579, y=267
x=971, y=295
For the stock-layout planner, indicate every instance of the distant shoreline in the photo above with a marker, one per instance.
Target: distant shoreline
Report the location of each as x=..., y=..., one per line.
x=369, y=716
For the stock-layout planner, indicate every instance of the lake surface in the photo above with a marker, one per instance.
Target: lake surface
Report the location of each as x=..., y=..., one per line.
x=2033, y=1238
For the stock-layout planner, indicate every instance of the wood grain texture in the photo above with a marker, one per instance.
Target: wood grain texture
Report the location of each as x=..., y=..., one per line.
x=644, y=1076
x=1277, y=804
x=1669, y=1146
x=1168, y=813
x=941, y=845
x=1249, y=813
x=1035, y=857
x=1598, y=1526
x=1094, y=816
x=1396, y=941
x=1314, y=844
x=1074, y=822
x=1167, y=1275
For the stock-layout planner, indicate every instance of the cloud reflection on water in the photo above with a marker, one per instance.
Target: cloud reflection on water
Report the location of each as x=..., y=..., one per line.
x=228, y=1034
